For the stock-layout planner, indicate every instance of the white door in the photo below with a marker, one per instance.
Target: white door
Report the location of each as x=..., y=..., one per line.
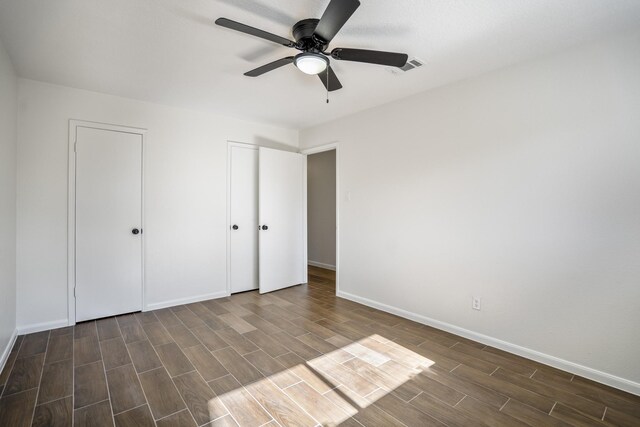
x=243, y=240
x=108, y=223
x=282, y=213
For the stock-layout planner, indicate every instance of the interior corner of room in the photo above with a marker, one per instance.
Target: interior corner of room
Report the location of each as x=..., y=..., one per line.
x=484, y=213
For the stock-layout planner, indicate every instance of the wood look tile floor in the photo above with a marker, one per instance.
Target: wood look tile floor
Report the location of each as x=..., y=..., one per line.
x=296, y=357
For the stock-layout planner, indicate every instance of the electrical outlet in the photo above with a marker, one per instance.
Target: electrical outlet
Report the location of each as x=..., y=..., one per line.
x=475, y=303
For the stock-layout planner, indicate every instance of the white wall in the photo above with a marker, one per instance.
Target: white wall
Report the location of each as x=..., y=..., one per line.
x=185, y=194
x=8, y=114
x=521, y=187
x=321, y=208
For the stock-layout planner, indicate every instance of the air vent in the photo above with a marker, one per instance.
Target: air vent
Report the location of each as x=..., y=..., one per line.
x=411, y=64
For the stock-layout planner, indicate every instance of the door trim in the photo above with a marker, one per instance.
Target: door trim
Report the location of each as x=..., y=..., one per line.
x=229, y=145
x=71, y=207
x=319, y=149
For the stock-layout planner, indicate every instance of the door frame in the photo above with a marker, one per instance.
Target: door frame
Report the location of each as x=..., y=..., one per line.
x=319, y=149
x=71, y=207
x=229, y=145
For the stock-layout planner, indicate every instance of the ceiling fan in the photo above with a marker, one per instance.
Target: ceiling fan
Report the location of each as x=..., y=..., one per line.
x=312, y=39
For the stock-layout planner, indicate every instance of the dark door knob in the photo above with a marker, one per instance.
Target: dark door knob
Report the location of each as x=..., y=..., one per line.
x=235, y=227
x=135, y=231
x=264, y=227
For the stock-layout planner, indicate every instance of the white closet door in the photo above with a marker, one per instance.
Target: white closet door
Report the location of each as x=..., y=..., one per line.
x=108, y=223
x=243, y=240
x=282, y=207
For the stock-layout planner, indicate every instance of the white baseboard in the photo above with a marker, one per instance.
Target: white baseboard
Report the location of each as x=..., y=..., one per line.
x=55, y=324
x=7, y=350
x=565, y=365
x=188, y=300
x=44, y=326
x=322, y=265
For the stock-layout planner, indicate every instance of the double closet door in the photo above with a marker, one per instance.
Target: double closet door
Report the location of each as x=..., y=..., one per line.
x=267, y=244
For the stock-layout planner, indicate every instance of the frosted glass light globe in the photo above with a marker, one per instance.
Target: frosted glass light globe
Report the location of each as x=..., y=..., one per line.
x=311, y=63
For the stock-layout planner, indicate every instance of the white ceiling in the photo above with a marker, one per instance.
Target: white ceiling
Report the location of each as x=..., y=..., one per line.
x=170, y=52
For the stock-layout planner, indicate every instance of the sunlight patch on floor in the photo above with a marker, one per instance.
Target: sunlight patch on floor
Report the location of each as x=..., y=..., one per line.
x=328, y=389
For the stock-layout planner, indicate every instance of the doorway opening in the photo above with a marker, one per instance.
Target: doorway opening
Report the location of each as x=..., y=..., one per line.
x=322, y=218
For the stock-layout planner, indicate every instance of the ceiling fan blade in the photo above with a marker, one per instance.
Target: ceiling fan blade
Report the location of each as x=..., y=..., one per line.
x=334, y=17
x=334, y=83
x=391, y=59
x=269, y=67
x=227, y=23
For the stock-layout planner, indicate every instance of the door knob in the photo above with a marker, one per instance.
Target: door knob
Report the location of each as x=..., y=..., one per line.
x=264, y=227
x=235, y=226
x=135, y=231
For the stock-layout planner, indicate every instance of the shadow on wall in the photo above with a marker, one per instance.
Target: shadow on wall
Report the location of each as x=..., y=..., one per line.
x=269, y=143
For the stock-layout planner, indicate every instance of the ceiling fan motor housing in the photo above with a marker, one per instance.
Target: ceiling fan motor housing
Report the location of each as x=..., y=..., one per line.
x=305, y=39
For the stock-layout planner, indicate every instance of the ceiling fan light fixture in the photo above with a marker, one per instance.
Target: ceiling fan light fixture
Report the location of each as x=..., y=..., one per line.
x=311, y=63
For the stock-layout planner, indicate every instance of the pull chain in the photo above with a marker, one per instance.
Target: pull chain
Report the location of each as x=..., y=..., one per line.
x=327, y=84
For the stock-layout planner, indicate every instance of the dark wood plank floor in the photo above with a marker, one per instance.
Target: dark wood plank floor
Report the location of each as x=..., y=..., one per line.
x=300, y=356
